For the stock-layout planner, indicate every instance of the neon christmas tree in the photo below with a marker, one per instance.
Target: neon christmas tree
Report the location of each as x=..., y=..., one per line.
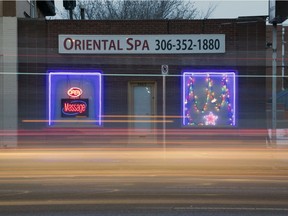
x=209, y=98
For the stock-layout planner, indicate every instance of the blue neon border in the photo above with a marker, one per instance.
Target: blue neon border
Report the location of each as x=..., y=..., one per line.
x=75, y=72
x=205, y=73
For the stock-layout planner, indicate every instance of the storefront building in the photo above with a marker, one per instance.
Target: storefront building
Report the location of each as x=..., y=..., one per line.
x=10, y=11
x=153, y=74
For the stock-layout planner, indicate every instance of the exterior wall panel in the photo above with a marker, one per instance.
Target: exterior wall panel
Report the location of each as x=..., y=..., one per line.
x=245, y=53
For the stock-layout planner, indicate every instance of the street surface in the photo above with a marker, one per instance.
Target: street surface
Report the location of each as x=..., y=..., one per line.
x=144, y=181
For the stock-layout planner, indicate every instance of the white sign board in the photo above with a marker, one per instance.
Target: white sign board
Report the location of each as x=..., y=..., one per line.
x=142, y=44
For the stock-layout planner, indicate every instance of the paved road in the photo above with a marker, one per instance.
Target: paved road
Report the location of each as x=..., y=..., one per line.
x=143, y=182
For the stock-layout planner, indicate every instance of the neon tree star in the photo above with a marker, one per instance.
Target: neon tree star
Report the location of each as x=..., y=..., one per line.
x=210, y=119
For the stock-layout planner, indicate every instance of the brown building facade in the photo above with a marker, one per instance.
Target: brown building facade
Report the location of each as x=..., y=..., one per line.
x=124, y=74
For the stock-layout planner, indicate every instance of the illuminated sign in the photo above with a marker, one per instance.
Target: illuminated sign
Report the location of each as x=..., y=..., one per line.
x=209, y=99
x=74, y=92
x=61, y=106
x=142, y=44
x=74, y=107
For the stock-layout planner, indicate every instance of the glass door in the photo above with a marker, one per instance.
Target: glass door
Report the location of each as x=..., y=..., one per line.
x=142, y=109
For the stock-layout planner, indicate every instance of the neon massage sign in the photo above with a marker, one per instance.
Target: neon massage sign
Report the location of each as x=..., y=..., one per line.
x=76, y=102
x=74, y=106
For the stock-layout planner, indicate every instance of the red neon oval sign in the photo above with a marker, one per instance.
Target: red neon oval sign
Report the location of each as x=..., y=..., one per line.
x=74, y=92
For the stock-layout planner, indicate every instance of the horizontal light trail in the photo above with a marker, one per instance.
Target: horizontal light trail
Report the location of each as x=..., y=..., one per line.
x=94, y=121
x=149, y=200
x=140, y=116
x=149, y=75
x=231, y=209
x=187, y=131
x=130, y=131
x=139, y=162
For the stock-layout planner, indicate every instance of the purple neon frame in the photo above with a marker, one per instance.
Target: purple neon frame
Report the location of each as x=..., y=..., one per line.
x=71, y=73
x=204, y=74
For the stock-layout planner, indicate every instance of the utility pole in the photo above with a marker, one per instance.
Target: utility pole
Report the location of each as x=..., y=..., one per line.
x=274, y=82
x=69, y=5
x=82, y=12
x=33, y=8
x=283, y=56
x=164, y=71
x=278, y=13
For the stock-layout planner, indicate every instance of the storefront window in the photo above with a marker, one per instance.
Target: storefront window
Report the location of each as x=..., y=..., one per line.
x=209, y=99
